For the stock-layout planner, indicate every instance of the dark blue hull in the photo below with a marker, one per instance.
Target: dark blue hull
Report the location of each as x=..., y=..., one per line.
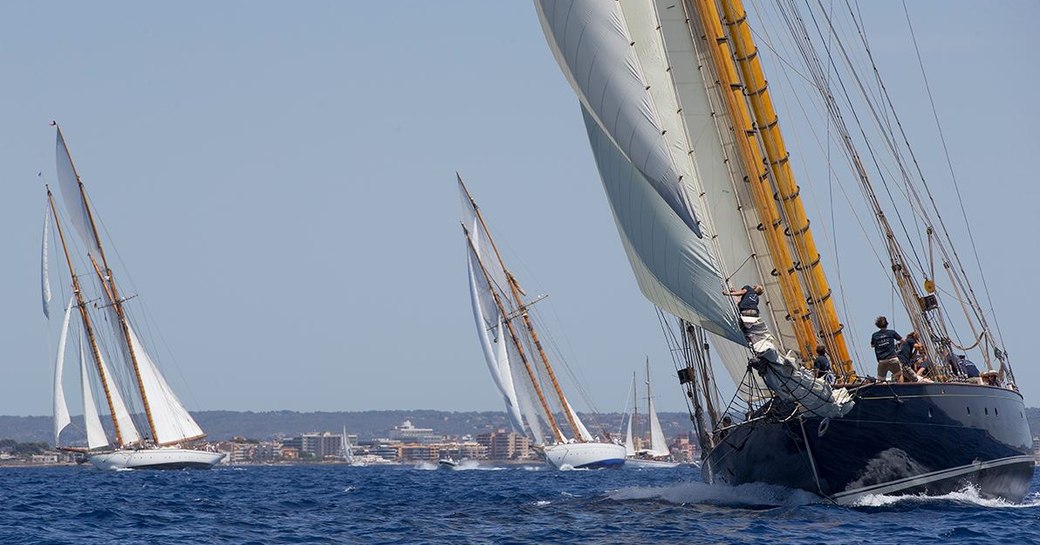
x=898, y=439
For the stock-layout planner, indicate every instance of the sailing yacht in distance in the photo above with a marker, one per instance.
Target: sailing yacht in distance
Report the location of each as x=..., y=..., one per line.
x=135, y=375
x=510, y=344
x=656, y=455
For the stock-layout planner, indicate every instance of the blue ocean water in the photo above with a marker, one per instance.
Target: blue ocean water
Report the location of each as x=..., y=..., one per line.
x=472, y=505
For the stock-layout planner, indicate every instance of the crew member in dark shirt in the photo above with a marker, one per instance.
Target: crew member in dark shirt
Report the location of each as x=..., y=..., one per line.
x=906, y=353
x=885, y=341
x=749, y=297
x=822, y=364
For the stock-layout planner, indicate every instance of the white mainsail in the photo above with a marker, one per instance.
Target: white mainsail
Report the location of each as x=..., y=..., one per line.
x=91, y=421
x=173, y=423
x=61, y=409
x=45, y=281
x=75, y=205
x=641, y=162
x=658, y=443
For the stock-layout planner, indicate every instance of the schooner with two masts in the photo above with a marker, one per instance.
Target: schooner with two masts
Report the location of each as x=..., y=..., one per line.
x=689, y=150
x=518, y=363
x=136, y=377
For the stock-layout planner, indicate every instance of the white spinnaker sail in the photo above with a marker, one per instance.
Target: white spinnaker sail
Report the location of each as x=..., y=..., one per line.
x=639, y=163
x=91, y=421
x=658, y=443
x=45, y=280
x=673, y=267
x=490, y=332
x=61, y=408
x=591, y=43
x=71, y=195
x=702, y=144
x=173, y=423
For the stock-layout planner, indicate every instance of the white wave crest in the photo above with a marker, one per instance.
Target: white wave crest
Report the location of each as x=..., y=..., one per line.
x=968, y=495
x=752, y=494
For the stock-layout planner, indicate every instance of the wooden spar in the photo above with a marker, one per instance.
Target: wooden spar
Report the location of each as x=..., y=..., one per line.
x=757, y=177
x=108, y=280
x=516, y=341
x=514, y=287
x=767, y=121
x=87, y=326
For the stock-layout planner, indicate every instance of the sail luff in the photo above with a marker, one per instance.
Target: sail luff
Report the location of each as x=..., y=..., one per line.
x=61, y=409
x=769, y=215
x=85, y=317
x=747, y=58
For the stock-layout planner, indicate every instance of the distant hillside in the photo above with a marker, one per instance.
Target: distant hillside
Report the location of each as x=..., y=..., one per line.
x=221, y=425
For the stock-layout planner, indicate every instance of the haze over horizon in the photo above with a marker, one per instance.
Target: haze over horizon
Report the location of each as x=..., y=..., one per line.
x=280, y=182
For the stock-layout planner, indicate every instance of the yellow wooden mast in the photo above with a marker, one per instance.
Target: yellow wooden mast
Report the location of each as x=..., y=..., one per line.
x=772, y=223
x=757, y=90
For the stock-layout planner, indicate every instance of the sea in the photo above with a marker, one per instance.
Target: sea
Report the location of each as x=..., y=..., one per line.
x=473, y=504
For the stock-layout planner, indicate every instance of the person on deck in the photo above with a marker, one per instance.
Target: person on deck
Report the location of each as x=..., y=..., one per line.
x=749, y=297
x=822, y=365
x=907, y=353
x=885, y=341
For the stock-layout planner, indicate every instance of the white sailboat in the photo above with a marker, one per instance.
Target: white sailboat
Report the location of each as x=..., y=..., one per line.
x=171, y=428
x=509, y=343
x=656, y=455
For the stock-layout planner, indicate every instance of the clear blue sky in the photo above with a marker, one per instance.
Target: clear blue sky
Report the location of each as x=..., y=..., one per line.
x=279, y=179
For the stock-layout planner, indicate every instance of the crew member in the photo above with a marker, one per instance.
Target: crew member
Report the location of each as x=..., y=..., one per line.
x=885, y=341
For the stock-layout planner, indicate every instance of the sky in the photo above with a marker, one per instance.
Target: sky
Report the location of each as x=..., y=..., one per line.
x=279, y=181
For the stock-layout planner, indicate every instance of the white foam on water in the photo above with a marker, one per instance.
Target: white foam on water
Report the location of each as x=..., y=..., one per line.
x=752, y=494
x=425, y=466
x=542, y=503
x=968, y=495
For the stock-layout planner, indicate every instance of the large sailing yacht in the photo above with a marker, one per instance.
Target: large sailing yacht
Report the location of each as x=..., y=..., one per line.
x=510, y=344
x=700, y=183
x=134, y=376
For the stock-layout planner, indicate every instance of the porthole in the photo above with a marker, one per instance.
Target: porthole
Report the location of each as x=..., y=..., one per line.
x=969, y=410
x=996, y=412
x=929, y=412
x=987, y=411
